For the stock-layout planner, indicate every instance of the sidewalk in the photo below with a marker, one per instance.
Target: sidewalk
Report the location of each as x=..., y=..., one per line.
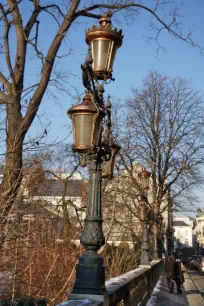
x=193, y=296
x=162, y=297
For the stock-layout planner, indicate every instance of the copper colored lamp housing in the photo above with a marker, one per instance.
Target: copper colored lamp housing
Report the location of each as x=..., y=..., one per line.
x=156, y=208
x=154, y=229
x=143, y=211
x=104, y=43
x=87, y=122
x=144, y=176
x=108, y=168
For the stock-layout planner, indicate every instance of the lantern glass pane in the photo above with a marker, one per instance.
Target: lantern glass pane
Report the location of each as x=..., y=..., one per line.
x=154, y=229
x=83, y=124
x=100, y=53
x=144, y=182
x=144, y=213
x=156, y=209
x=106, y=172
x=113, y=53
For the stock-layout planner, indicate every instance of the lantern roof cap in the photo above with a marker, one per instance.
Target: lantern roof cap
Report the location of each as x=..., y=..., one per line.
x=86, y=106
x=104, y=30
x=106, y=18
x=144, y=173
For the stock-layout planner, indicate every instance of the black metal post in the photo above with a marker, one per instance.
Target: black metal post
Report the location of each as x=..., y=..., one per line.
x=145, y=257
x=160, y=247
x=169, y=242
x=90, y=272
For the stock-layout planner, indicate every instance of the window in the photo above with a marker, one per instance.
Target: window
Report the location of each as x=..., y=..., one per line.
x=186, y=241
x=186, y=232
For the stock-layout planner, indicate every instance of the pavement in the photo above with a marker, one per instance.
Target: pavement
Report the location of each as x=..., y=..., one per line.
x=191, y=295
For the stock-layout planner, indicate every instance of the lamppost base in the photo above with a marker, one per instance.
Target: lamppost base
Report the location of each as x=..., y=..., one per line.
x=104, y=299
x=145, y=266
x=156, y=260
x=90, y=275
x=144, y=260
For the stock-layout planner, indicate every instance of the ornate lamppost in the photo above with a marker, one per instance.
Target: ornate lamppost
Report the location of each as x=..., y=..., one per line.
x=170, y=229
x=144, y=176
x=155, y=229
x=88, y=119
x=164, y=240
x=161, y=239
x=160, y=235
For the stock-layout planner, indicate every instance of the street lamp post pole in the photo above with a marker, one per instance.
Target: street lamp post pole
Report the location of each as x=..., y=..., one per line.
x=87, y=120
x=144, y=176
x=155, y=230
x=145, y=256
x=90, y=274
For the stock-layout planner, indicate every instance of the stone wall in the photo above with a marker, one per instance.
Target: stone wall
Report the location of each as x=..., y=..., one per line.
x=133, y=288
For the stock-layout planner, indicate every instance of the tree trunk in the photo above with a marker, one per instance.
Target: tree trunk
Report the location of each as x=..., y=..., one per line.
x=14, y=148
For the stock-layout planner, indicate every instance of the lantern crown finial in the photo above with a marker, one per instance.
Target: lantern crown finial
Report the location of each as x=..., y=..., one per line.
x=106, y=19
x=144, y=173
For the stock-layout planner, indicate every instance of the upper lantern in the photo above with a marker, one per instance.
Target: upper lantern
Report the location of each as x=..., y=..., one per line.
x=104, y=43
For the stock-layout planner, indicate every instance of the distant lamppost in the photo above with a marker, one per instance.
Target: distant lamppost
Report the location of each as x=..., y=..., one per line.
x=144, y=176
x=170, y=230
x=164, y=239
x=155, y=229
x=89, y=139
x=161, y=239
x=160, y=235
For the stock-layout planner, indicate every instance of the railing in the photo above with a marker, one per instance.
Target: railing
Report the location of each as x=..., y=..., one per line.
x=133, y=288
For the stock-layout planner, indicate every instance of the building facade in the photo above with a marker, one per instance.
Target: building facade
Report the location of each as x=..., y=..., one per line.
x=199, y=229
x=183, y=231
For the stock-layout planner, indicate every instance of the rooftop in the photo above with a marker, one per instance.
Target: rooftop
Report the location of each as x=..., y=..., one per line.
x=55, y=188
x=180, y=223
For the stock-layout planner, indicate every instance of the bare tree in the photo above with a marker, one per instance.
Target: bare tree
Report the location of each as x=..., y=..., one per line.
x=163, y=130
x=20, y=100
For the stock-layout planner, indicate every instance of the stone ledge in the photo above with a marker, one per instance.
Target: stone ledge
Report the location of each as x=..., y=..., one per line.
x=78, y=302
x=132, y=288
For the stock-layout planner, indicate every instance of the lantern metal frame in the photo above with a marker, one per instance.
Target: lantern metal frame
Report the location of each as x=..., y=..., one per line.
x=101, y=33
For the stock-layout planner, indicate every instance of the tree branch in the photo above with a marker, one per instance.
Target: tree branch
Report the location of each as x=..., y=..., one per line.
x=6, y=45
x=3, y=98
x=168, y=27
x=47, y=67
x=5, y=82
x=21, y=45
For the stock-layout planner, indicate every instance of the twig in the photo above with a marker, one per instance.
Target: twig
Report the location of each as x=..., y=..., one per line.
x=49, y=272
x=53, y=299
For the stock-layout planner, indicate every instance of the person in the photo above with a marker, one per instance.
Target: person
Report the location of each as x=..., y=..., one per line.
x=174, y=273
x=170, y=273
x=178, y=274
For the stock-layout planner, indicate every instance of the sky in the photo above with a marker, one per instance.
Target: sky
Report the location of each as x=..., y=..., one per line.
x=134, y=60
